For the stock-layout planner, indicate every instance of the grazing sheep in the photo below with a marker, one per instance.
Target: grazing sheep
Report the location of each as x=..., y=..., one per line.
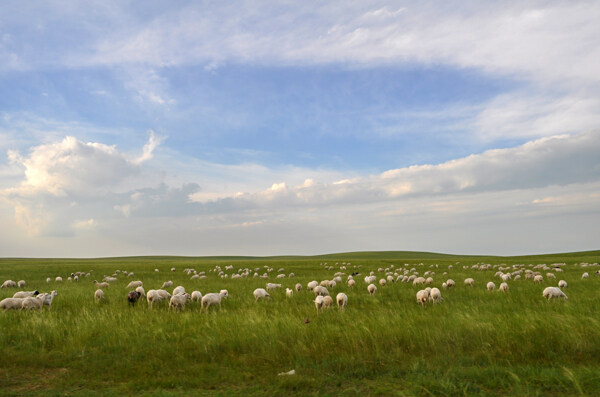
x=271, y=286
x=562, y=284
x=98, y=295
x=172, y=269
x=450, y=283
x=538, y=278
x=469, y=281
x=332, y=284
x=109, y=279
x=196, y=296
x=553, y=292
x=382, y=282
x=155, y=296
x=8, y=284
x=444, y=285
x=25, y=294
x=503, y=287
x=48, y=279
x=490, y=286
x=11, y=304
x=351, y=283
x=32, y=303
x=342, y=300
x=47, y=299
x=289, y=292
x=260, y=293
x=517, y=277
x=179, y=290
x=103, y=284
x=324, y=283
x=585, y=275
x=298, y=287
x=141, y=291
x=212, y=299
x=132, y=297
x=418, y=280
x=372, y=289
x=320, y=290
x=134, y=284
x=327, y=301
x=550, y=275
x=178, y=301
x=21, y=283
x=435, y=295
x=58, y=279
x=422, y=296
x=319, y=302
x=167, y=284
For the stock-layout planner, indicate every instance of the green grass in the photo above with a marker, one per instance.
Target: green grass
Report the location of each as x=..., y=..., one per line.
x=475, y=343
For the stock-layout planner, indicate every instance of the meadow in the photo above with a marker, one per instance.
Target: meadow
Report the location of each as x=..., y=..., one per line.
x=476, y=342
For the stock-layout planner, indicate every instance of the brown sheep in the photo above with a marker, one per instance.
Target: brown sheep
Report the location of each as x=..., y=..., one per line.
x=133, y=297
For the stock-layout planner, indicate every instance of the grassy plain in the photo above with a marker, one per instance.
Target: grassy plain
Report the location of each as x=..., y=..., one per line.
x=475, y=343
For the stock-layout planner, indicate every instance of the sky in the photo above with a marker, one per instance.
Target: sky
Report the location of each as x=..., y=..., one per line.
x=268, y=128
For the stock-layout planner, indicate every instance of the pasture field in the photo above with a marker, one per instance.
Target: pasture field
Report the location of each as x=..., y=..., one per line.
x=475, y=342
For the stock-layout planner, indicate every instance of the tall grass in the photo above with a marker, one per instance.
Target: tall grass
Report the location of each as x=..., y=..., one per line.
x=476, y=342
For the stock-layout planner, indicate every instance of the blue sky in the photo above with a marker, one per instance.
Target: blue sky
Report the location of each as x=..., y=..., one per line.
x=243, y=128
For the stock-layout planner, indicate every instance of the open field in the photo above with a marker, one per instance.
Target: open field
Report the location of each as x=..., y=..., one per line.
x=476, y=342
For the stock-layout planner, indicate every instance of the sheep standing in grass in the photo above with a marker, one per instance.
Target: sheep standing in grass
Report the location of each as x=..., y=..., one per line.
x=272, y=286
x=327, y=301
x=21, y=283
x=260, y=293
x=47, y=299
x=342, y=300
x=469, y=281
x=382, y=282
x=450, y=283
x=132, y=297
x=538, y=278
x=553, y=292
x=503, y=287
x=58, y=279
x=134, y=284
x=167, y=284
x=196, y=296
x=11, y=304
x=141, y=291
x=351, y=283
x=31, y=302
x=103, y=284
x=178, y=301
x=372, y=289
x=48, y=279
x=435, y=295
x=8, y=284
x=289, y=292
x=311, y=286
x=320, y=290
x=585, y=275
x=298, y=287
x=562, y=284
x=422, y=296
x=212, y=299
x=98, y=295
x=25, y=294
x=179, y=290
x=154, y=296
x=319, y=302
x=490, y=286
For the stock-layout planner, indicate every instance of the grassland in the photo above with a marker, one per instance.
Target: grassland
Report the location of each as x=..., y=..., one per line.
x=475, y=343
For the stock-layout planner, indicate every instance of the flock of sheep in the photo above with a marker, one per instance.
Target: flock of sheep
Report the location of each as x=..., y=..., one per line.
x=179, y=297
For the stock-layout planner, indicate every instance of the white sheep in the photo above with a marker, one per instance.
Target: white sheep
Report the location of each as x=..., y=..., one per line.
x=196, y=296
x=382, y=282
x=8, y=284
x=178, y=301
x=327, y=301
x=553, y=292
x=422, y=296
x=320, y=290
x=585, y=275
x=311, y=286
x=469, y=281
x=103, y=284
x=491, y=286
x=260, y=293
x=98, y=295
x=372, y=289
x=140, y=289
x=418, y=280
x=167, y=284
x=48, y=279
x=11, y=304
x=444, y=285
x=342, y=300
x=332, y=284
x=435, y=295
x=298, y=287
x=47, y=299
x=319, y=302
x=25, y=294
x=538, y=278
x=503, y=287
x=21, y=283
x=31, y=302
x=212, y=299
x=271, y=286
x=289, y=292
x=562, y=284
x=450, y=283
x=179, y=290
x=58, y=279
x=134, y=284
x=156, y=295
x=351, y=283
